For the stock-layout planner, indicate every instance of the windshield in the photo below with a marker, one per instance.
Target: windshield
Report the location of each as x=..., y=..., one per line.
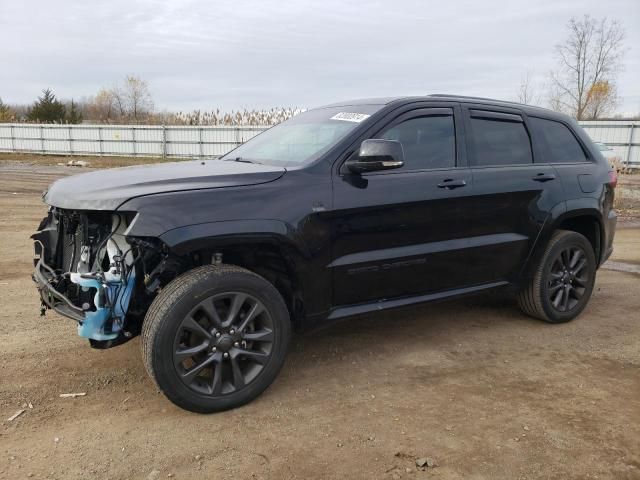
x=303, y=138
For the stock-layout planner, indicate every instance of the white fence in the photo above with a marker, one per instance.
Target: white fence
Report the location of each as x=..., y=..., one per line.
x=197, y=141
x=123, y=140
x=623, y=136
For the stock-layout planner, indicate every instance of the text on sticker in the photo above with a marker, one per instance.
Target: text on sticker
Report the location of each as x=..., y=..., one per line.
x=350, y=117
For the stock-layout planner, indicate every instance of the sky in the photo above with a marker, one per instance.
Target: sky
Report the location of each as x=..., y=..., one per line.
x=199, y=54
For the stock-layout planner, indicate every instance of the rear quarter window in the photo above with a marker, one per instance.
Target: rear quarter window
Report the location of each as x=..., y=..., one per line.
x=561, y=145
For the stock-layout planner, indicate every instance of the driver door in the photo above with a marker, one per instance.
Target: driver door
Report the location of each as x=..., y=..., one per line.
x=399, y=233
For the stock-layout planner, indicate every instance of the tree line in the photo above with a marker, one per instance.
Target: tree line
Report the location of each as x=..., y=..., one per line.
x=582, y=84
x=128, y=101
x=131, y=102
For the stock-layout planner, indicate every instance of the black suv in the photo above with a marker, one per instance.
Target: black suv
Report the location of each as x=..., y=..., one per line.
x=342, y=210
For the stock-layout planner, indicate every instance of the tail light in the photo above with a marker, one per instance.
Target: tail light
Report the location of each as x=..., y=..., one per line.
x=613, y=178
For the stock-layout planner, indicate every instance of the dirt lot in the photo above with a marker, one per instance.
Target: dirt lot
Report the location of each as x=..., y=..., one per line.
x=91, y=161
x=485, y=391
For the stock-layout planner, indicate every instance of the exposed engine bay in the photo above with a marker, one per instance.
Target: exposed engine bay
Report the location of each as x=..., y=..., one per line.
x=87, y=269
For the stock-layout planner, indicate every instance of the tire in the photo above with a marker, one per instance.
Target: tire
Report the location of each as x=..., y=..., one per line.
x=561, y=275
x=215, y=338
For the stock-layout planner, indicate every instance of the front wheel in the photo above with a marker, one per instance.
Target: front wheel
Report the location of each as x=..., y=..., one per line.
x=215, y=338
x=563, y=281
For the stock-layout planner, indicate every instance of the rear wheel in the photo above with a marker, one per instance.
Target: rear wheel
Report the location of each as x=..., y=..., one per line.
x=563, y=281
x=215, y=338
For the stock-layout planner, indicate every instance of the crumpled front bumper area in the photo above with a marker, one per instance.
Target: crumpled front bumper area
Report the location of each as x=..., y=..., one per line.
x=84, y=270
x=44, y=276
x=105, y=318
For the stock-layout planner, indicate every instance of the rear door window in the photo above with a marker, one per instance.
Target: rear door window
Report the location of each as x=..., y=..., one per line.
x=499, y=139
x=562, y=146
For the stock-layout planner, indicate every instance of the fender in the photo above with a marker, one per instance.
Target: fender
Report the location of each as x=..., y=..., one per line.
x=234, y=233
x=577, y=207
x=223, y=219
x=588, y=207
x=581, y=207
x=183, y=240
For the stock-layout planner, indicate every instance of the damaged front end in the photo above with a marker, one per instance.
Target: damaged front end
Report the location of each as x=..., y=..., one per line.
x=85, y=269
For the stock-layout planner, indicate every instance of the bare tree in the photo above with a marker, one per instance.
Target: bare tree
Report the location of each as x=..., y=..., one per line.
x=119, y=102
x=528, y=91
x=133, y=98
x=588, y=59
x=102, y=108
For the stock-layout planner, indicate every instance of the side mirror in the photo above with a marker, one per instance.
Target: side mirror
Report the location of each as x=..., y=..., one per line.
x=377, y=154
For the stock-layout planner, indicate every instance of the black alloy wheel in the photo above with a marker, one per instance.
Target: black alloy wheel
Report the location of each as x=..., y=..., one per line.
x=215, y=338
x=223, y=344
x=568, y=279
x=561, y=284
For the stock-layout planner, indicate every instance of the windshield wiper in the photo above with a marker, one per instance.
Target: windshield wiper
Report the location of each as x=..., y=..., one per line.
x=243, y=160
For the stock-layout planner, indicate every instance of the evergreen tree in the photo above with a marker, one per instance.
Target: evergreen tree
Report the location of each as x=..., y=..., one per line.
x=74, y=115
x=47, y=109
x=6, y=115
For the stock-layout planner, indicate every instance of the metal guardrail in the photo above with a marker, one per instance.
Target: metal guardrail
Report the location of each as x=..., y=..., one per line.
x=123, y=140
x=204, y=141
x=623, y=136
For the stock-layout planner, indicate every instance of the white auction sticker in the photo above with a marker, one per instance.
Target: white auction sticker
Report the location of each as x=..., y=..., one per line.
x=350, y=117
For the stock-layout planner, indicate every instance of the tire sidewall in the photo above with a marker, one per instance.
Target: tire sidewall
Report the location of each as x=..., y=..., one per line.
x=570, y=240
x=164, y=369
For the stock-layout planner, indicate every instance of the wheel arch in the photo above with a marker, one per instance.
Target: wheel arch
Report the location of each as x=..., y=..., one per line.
x=268, y=248
x=590, y=225
x=585, y=221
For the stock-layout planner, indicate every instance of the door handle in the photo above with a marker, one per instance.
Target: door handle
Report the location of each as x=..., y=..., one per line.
x=450, y=184
x=544, y=177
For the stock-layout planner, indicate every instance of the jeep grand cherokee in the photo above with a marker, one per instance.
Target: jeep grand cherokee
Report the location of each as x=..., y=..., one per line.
x=341, y=210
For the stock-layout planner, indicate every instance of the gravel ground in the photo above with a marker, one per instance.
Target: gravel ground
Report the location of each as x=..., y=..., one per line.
x=473, y=384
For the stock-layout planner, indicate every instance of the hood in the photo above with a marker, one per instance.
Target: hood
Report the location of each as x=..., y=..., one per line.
x=108, y=189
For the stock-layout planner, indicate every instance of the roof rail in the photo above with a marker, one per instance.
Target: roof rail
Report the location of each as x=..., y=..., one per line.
x=468, y=97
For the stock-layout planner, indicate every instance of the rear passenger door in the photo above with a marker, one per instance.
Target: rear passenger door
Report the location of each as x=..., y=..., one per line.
x=512, y=195
x=561, y=148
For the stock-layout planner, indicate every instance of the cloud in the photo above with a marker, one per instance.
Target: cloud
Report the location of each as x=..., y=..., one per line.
x=203, y=54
